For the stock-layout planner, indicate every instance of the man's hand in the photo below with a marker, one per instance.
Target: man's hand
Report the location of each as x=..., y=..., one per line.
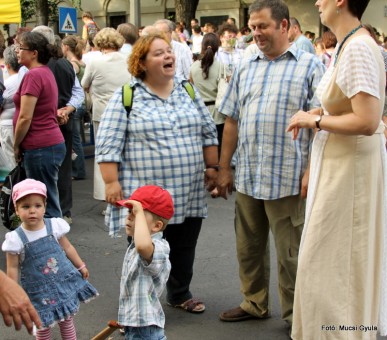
x=15, y=306
x=63, y=114
x=304, y=183
x=225, y=182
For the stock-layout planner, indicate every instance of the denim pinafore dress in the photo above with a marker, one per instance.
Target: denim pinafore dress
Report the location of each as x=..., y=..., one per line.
x=54, y=286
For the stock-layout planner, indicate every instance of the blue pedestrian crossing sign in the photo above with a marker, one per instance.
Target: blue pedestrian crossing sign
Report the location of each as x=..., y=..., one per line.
x=67, y=20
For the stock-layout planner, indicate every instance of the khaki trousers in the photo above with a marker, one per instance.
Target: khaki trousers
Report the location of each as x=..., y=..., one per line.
x=253, y=219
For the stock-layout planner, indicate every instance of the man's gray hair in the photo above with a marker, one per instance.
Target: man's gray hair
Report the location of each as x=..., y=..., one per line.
x=47, y=32
x=171, y=25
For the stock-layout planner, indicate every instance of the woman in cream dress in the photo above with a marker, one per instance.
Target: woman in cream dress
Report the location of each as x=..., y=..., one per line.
x=341, y=280
x=102, y=77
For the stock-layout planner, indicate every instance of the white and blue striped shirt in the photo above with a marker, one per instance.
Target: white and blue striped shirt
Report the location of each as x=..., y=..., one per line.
x=262, y=96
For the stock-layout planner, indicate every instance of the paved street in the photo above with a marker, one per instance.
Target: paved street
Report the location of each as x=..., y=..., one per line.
x=215, y=277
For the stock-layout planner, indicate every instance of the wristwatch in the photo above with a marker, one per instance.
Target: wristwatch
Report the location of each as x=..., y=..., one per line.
x=318, y=120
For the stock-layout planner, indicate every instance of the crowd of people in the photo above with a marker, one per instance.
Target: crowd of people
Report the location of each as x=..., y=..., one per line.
x=294, y=135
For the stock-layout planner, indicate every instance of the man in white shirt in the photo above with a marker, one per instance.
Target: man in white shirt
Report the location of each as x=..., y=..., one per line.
x=182, y=51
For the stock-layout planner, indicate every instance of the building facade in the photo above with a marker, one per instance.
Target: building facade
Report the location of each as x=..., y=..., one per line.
x=114, y=12
x=111, y=12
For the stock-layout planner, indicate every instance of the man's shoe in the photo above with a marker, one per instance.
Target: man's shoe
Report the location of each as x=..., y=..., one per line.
x=236, y=314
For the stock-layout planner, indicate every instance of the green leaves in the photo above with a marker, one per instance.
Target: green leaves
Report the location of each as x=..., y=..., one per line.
x=28, y=9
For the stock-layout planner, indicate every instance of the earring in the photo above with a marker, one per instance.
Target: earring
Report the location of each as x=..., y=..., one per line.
x=338, y=11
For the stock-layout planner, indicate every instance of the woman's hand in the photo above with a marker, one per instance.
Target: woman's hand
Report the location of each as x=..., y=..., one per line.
x=301, y=119
x=113, y=192
x=210, y=178
x=18, y=153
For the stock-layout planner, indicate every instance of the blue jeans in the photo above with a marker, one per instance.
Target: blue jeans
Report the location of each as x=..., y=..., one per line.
x=145, y=333
x=78, y=166
x=43, y=165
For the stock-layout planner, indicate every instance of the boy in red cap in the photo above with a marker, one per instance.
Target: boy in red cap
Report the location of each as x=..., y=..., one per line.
x=146, y=266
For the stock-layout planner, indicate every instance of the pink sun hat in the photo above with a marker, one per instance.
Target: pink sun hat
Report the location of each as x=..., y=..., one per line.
x=27, y=187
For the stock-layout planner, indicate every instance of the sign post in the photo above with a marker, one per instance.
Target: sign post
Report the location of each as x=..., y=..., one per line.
x=67, y=20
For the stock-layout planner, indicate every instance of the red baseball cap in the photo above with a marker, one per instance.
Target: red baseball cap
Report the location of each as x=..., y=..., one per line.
x=154, y=199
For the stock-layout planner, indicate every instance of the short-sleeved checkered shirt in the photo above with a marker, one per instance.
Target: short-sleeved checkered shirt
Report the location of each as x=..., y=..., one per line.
x=161, y=143
x=142, y=284
x=262, y=96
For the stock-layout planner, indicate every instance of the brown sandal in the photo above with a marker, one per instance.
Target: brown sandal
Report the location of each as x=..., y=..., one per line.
x=191, y=306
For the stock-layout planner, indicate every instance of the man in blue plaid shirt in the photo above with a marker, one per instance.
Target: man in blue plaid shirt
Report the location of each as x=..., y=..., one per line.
x=271, y=170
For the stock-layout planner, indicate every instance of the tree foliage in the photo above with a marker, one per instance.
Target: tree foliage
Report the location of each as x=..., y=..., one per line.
x=45, y=11
x=27, y=10
x=186, y=10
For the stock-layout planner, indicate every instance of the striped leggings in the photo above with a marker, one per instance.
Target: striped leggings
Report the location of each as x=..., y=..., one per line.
x=67, y=331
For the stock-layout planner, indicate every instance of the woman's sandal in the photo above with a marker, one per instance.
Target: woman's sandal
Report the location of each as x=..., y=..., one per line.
x=191, y=306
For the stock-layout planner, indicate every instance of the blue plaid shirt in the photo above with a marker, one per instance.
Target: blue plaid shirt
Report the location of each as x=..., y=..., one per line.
x=262, y=97
x=161, y=143
x=142, y=284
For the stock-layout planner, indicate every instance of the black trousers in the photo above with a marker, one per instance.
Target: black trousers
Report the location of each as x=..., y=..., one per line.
x=182, y=239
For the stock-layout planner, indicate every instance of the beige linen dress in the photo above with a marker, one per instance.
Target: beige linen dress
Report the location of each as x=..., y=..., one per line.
x=103, y=75
x=339, y=278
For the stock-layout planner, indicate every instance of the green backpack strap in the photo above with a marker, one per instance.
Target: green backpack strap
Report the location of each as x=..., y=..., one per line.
x=127, y=94
x=127, y=97
x=189, y=88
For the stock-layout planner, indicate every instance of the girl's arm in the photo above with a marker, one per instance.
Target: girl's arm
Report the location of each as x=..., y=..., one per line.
x=73, y=256
x=13, y=266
